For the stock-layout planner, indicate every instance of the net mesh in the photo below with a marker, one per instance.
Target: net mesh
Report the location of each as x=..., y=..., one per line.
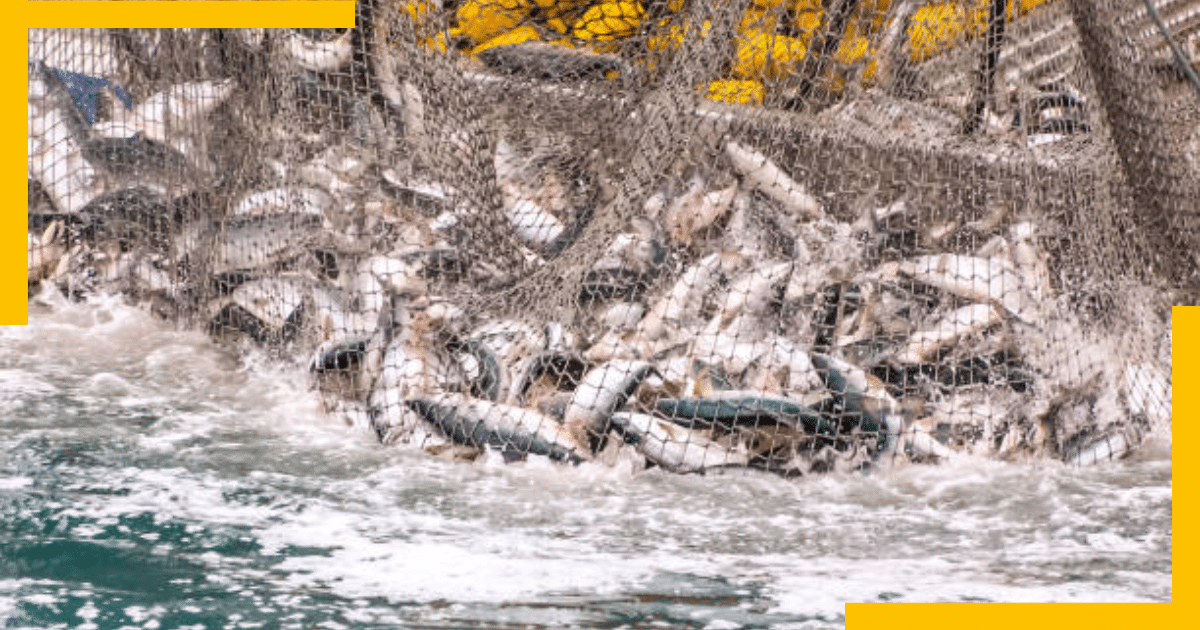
x=792, y=235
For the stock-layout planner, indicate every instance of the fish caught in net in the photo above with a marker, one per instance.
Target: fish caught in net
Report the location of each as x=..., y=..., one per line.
x=789, y=235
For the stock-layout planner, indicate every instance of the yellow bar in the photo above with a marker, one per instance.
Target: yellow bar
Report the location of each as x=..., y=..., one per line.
x=14, y=303
x=974, y=616
x=197, y=14
x=1185, y=366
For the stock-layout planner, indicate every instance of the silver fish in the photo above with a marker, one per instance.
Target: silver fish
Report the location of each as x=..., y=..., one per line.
x=46, y=250
x=284, y=201
x=917, y=440
x=534, y=223
x=752, y=293
x=604, y=390
x=336, y=367
x=730, y=408
x=56, y=159
x=675, y=448
x=316, y=55
x=967, y=320
x=250, y=242
x=1031, y=261
x=404, y=376
x=662, y=326
x=276, y=302
x=1109, y=445
x=168, y=115
x=763, y=174
x=988, y=280
x=696, y=210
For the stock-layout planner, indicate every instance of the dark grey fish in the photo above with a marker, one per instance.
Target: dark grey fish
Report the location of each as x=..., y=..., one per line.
x=512, y=430
x=139, y=158
x=731, y=408
x=134, y=216
x=341, y=356
x=863, y=400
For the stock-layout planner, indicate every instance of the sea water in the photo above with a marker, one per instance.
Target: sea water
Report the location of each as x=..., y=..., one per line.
x=151, y=479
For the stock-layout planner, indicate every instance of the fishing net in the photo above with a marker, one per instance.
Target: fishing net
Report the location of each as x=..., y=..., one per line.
x=796, y=236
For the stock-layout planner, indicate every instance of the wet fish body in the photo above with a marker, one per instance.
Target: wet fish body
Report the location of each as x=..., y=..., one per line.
x=604, y=390
x=251, y=242
x=728, y=409
x=512, y=430
x=673, y=447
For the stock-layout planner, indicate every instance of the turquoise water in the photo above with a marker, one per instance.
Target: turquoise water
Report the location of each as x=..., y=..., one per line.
x=151, y=480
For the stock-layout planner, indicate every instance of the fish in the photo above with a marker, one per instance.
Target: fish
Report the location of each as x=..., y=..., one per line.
x=516, y=432
x=762, y=174
x=167, y=116
x=56, y=134
x=484, y=372
x=137, y=159
x=675, y=448
x=336, y=315
x=1109, y=445
x=990, y=280
x=604, y=389
x=794, y=360
x=526, y=207
x=276, y=303
x=319, y=56
x=752, y=293
x=336, y=367
x=510, y=339
x=415, y=362
x=552, y=370
x=1031, y=261
x=696, y=210
x=622, y=315
x=248, y=242
x=864, y=400
x=660, y=327
x=741, y=407
x=285, y=200
x=626, y=269
x=45, y=251
x=403, y=377
x=387, y=56
x=375, y=278
x=967, y=320
x=735, y=347
x=918, y=441
x=132, y=215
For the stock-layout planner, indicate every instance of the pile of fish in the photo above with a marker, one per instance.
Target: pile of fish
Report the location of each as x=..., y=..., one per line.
x=732, y=322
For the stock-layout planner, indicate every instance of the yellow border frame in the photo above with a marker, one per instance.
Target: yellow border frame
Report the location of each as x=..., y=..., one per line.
x=339, y=14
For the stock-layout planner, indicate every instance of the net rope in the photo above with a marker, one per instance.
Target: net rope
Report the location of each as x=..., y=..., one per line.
x=791, y=235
